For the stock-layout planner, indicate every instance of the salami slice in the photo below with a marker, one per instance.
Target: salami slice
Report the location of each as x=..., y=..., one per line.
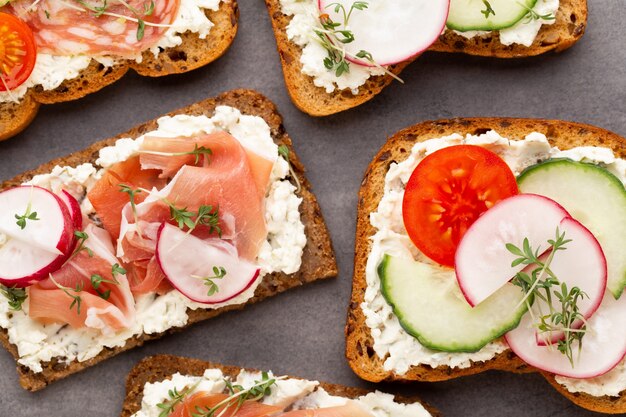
x=69, y=27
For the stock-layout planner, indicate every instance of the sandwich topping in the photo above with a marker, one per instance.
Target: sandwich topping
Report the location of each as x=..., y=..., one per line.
x=189, y=216
x=70, y=34
x=518, y=268
x=346, y=42
x=261, y=394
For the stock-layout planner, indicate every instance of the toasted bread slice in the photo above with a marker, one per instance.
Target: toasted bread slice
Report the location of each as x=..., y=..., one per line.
x=568, y=28
x=359, y=349
x=191, y=54
x=160, y=367
x=318, y=259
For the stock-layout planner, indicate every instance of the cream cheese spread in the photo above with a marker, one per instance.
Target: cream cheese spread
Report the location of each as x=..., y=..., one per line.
x=305, y=17
x=282, y=251
x=290, y=393
x=525, y=31
x=396, y=347
x=51, y=71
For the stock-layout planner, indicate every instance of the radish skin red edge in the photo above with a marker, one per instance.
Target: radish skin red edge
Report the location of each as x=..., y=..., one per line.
x=581, y=265
x=74, y=208
x=184, y=257
x=418, y=23
x=27, y=255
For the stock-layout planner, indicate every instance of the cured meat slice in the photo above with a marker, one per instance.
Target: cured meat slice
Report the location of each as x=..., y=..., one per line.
x=351, y=409
x=69, y=28
x=107, y=198
x=168, y=155
x=204, y=400
x=108, y=307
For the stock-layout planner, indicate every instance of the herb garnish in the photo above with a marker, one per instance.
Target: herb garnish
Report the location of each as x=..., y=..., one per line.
x=197, y=151
x=219, y=272
x=238, y=396
x=97, y=280
x=148, y=10
x=16, y=296
x=533, y=15
x=488, y=9
x=332, y=36
x=176, y=398
x=80, y=245
x=283, y=151
x=28, y=214
x=206, y=216
x=76, y=299
x=543, y=284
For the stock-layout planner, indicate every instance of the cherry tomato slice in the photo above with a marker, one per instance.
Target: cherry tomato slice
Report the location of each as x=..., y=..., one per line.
x=18, y=52
x=447, y=192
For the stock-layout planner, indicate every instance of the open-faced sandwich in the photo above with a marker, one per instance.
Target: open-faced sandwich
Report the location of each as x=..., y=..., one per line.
x=59, y=50
x=338, y=54
x=494, y=244
x=171, y=386
x=199, y=212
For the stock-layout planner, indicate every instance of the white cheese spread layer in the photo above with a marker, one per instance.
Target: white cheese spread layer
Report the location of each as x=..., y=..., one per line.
x=282, y=251
x=400, y=350
x=300, y=31
x=51, y=70
x=290, y=393
x=525, y=31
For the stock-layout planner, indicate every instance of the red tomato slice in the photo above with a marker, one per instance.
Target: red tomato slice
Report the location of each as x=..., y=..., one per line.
x=18, y=52
x=447, y=192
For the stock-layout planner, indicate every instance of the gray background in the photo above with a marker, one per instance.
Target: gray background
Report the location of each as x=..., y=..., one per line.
x=301, y=332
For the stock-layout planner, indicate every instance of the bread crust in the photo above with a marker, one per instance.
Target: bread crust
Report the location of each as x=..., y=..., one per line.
x=318, y=259
x=359, y=343
x=568, y=29
x=191, y=54
x=160, y=367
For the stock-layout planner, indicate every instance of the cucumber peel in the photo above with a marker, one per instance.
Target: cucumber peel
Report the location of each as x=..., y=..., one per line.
x=429, y=304
x=468, y=15
x=593, y=196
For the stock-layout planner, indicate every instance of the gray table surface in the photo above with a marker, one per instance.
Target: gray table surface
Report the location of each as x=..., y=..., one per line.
x=301, y=332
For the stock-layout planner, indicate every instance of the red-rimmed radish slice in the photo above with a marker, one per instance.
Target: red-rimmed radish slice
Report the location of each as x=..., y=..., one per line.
x=74, y=208
x=482, y=261
x=28, y=255
x=391, y=31
x=603, y=346
x=186, y=259
x=582, y=264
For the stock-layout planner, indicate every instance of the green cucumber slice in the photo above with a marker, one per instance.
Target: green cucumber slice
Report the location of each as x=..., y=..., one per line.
x=430, y=306
x=466, y=15
x=594, y=197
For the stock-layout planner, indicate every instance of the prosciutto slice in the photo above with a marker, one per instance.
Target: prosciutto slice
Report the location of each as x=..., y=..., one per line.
x=67, y=27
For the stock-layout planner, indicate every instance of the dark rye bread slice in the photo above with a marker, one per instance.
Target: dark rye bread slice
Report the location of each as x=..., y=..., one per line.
x=318, y=259
x=191, y=54
x=569, y=27
x=161, y=367
x=359, y=343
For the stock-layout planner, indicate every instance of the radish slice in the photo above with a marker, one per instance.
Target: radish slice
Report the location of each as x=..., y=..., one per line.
x=581, y=265
x=74, y=208
x=603, y=346
x=185, y=259
x=482, y=262
x=391, y=31
x=28, y=255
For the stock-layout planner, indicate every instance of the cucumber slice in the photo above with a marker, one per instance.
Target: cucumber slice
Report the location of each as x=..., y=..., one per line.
x=466, y=15
x=594, y=197
x=429, y=305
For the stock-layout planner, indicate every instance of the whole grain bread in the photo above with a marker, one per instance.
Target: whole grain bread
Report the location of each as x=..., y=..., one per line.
x=359, y=343
x=191, y=54
x=161, y=367
x=570, y=24
x=318, y=259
